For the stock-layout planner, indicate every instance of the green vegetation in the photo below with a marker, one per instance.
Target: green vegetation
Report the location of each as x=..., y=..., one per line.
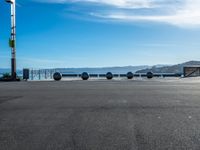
x=6, y=76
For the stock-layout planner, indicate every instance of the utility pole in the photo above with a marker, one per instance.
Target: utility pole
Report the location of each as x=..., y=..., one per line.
x=12, y=41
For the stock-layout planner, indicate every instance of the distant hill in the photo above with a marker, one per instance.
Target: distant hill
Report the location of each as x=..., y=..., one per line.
x=169, y=69
x=89, y=70
x=4, y=70
x=7, y=70
x=118, y=70
x=101, y=70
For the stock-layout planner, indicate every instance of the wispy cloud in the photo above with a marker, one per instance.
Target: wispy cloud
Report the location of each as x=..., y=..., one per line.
x=182, y=13
x=185, y=15
x=117, y=3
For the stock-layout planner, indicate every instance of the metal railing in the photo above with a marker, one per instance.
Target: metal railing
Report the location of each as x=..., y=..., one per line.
x=48, y=74
x=41, y=74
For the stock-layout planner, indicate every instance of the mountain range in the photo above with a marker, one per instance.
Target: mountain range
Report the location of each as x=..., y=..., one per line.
x=178, y=68
x=103, y=70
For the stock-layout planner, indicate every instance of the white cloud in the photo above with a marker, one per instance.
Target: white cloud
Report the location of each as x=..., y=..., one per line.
x=117, y=3
x=183, y=13
x=125, y=3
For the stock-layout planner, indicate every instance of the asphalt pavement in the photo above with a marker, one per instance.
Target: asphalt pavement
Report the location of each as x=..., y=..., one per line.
x=100, y=115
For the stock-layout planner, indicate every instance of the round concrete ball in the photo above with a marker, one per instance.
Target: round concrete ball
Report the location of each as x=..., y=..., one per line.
x=85, y=76
x=109, y=76
x=57, y=76
x=130, y=75
x=149, y=75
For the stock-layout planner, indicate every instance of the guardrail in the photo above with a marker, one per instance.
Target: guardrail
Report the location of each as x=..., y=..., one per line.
x=38, y=74
x=85, y=76
x=49, y=74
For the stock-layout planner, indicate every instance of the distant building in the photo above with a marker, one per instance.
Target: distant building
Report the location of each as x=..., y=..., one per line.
x=191, y=71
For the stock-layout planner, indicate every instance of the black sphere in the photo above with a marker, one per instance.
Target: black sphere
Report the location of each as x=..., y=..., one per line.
x=129, y=75
x=85, y=76
x=109, y=75
x=57, y=76
x=149, y=75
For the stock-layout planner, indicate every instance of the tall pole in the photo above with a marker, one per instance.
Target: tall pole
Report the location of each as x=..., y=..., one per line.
x=13, y=39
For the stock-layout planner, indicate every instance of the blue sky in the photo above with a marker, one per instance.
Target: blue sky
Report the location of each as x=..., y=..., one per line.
x=98, y=33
